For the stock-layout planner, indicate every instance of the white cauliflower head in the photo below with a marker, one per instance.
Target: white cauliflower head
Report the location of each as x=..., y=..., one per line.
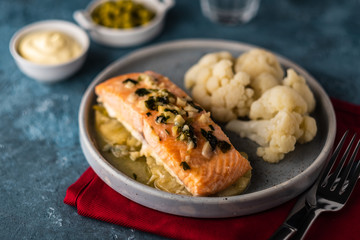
x=201, y=96
x=262, y=83
x=258, y=61
x=276, y=136
x=203, y=69
x=212, y=58
x=197, y=74
x=298, y=83
x=253, y=86
x=277, y=99
x=232, y=99
x=308, y=125
x=216, y=88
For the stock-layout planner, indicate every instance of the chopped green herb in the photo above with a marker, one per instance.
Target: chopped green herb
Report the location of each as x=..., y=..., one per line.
x=171, y=110
x=150, y=103
x=203, y=132
x=161, y=119
x=142, y=92
x=170, y=94
x=163, y=100
x=134, y=176
x=224, y=146
x=211, y=127
x=148, y=114
x=187, y=134
x=130, y=80
x=210, y=137
x=195, y=106
x=185, y=166
x=167, y=132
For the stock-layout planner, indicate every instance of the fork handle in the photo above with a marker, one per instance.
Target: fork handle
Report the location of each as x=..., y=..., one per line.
x=287, y=232
x=298, y=222
x=284, y=232
x=308, y=221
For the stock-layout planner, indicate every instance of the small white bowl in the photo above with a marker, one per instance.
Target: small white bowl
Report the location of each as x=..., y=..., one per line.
x=54, y=72
x=124, y=37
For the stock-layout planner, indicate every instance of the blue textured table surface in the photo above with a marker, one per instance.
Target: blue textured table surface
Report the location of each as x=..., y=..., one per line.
x=40, y=155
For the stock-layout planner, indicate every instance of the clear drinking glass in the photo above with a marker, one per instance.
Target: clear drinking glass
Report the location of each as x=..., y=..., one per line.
x=230, y=12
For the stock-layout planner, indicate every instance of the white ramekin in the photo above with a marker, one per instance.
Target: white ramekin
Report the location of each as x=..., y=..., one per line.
x=124, y=37
x=54, y=72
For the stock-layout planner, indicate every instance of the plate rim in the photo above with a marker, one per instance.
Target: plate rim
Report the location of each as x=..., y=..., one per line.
x=313, y=169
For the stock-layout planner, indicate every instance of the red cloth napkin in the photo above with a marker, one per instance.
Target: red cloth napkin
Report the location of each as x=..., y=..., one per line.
x=93, y=198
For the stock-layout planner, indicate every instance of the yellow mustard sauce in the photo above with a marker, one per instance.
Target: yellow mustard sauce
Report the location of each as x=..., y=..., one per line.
x=123, y=151
x=49, y=47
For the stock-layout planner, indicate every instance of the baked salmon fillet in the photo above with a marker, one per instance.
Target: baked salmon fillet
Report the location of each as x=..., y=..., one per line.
x=177, y=132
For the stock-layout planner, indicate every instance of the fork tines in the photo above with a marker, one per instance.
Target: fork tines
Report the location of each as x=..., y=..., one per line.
x=342, y=178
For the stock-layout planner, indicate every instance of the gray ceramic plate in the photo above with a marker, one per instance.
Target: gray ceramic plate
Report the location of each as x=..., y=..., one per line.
x=271, y=185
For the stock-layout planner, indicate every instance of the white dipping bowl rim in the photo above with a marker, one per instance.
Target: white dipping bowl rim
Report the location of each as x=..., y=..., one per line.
x=67, y=68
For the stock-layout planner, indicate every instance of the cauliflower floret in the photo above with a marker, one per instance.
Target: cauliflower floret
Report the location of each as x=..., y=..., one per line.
x=201, y=71
x=232, y=99
x=262, y=83
x=217, y=89
x=276, y=99
x=212, y=58
x=258, y=61
x=276, y=136
x=298, y=83
x=201, y=96
x=197, y=74
x=221, y=73
x=223, y=69
x=308, y=124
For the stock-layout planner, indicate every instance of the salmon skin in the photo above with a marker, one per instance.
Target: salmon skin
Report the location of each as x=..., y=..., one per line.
x=174, y=130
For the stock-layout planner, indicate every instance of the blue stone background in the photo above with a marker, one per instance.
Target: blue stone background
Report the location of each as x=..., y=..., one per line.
x=40, y=155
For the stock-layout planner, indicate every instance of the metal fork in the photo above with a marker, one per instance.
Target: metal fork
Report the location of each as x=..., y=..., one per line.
x=329, y=193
